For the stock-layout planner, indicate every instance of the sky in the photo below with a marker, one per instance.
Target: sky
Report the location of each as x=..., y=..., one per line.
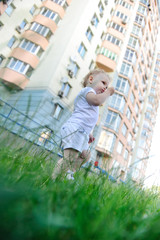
x=153, y=169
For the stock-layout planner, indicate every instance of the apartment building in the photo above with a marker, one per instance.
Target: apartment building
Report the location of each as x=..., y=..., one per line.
x=135, y=24
x=49, y=46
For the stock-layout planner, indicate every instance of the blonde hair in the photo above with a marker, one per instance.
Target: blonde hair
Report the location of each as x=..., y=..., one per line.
x=94, y=72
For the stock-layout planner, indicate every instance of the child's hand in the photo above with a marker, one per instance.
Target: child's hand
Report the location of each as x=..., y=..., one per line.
x=110, y=91
x=91, y=138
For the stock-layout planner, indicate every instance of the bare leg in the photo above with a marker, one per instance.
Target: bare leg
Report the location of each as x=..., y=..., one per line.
x=72, y=160
x=57, y=169
x=65, y=163
x=82, y=158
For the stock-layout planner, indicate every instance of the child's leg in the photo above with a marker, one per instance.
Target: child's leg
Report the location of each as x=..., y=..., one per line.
x=57, y=169
x=65, y=163
x=82, y=158
x=72, y=160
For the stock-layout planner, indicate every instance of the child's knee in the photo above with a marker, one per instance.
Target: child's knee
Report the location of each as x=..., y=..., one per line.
x=85, y=154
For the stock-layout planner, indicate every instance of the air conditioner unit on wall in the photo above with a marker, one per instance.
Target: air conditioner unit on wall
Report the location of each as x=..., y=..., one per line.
x=101, y=14
x=19, y=29
x=124, y=21
x=60, y=93
x=70, y=74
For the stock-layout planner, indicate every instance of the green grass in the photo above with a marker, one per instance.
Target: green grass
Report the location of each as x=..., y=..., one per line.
x=32, y=206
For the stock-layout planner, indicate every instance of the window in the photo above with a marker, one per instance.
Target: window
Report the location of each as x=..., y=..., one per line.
x=129, y=138
x=144, y=133
x=62, y=3
x=128, y=113
x=153, y=91
x=155, y=76
x=101, y=9
x=133, y=42
x=11, y=42
x=129, y=55
x=72, y=69
x=95, y=20
x=23, y=24
x=42, y=30
x=45, y=136
x=148, y=115
x=126, y=153
x=122, y=85
x=107, y=53
x=92, y=65
x=113, y=120
x=117, y=27
x=89, y=34
x=124, y=129
x=126, y=69
x=121, y=15
x=82, y=50
x=119, y=147
x=132, y=98
x=106, y=141
x=57, y=111
x=139, y=69
x=125, y=4
x=66, y=87
x=156, y=69
x=112, y=39
x=133, y=122
x=142, y=142
x=50, y=14
x=140, y=154
x=144, y=2
x=142, y=9
x=10, y=9
x=31, y=47
x=33, y=9
x=139, y=19
x=136, y=109
x=117, y=101
x=136, y=30
x=20, y=67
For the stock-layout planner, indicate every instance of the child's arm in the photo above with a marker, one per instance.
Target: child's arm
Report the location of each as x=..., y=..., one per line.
x=98, y=99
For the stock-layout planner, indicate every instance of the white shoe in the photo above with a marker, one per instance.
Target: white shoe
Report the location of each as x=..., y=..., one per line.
x=69, y=175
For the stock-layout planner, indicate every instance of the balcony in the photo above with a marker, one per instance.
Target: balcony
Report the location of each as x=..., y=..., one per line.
x=56, y=7
x=13, y=79
x=106, y=143
x=105, y=63
x=144, y=2
x=25, y=56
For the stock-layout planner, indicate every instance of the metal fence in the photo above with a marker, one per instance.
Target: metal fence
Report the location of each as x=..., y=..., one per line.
x=27, y=128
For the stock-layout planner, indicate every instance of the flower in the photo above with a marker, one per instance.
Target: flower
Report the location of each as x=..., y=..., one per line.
x=96, y=163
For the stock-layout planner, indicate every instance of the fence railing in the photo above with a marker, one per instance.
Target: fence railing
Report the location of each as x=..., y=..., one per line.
x=27, y=128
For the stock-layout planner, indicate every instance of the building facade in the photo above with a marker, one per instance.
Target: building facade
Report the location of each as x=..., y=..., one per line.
x=49, y=46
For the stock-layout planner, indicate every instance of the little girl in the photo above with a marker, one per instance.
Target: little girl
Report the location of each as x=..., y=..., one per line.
x=76, y=133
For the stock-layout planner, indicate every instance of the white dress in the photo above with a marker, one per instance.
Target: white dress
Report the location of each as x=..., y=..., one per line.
x=75, y=132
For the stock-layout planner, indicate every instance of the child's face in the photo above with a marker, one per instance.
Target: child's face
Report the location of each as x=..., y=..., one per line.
x=100, y=83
